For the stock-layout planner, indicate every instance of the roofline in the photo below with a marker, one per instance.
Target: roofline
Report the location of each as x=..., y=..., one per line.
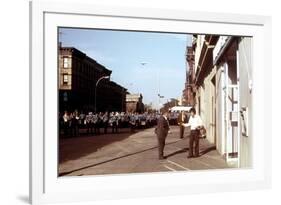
x=87, y=57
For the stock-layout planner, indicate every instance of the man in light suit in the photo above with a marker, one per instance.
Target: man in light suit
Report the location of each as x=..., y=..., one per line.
x=161, y=131
x=195, y=123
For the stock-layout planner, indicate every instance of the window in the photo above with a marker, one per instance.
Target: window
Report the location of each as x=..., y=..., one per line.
x=65, y=79
x=65, y=62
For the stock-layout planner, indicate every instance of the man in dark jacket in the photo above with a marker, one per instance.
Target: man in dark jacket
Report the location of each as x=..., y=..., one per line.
x=181, y=120
x=162, y=130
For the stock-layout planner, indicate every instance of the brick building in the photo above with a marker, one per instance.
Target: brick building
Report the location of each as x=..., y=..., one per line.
x=78, y=75
x=188, y=92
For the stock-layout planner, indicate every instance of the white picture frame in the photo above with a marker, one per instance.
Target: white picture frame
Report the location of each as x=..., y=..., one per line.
x=46, y=187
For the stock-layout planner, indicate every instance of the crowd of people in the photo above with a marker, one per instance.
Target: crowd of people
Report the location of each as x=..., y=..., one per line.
x=72, y=123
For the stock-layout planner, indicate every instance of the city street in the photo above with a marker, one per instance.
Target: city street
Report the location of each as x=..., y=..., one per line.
x=137, y=152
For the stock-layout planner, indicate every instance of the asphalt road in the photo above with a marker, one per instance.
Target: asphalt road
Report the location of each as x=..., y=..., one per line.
x=137, y=152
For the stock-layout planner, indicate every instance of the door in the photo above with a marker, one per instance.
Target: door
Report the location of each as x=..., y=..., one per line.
x=231, y=119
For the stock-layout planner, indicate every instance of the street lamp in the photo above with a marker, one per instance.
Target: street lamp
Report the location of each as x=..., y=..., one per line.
x=101, y=78
x=159, y=97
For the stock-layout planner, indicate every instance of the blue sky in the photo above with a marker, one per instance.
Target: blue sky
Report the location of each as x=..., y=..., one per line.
x=124, y=51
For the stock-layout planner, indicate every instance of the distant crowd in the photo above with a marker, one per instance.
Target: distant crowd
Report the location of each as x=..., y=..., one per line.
x=72, y=123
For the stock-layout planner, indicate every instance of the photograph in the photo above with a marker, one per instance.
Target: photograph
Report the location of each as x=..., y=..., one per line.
x=145, y=102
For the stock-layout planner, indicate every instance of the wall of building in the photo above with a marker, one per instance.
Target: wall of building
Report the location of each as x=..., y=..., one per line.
x=208, y=107
x=205, y=108
x=245, y=71
x=220, y=109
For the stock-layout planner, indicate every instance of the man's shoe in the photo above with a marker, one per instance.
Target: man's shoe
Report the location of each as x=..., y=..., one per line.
x=189, y=156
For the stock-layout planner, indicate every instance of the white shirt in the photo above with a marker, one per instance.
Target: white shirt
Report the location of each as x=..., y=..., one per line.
x=166, y=119
x=194, y=122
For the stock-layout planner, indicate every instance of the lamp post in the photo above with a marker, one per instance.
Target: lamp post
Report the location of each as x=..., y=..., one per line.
x=101, y=78
x=159, y=97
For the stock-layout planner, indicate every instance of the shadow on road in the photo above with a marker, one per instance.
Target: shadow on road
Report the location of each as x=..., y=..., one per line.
x=110, y=160
x=77, y=147
x=177, y=152
x=209, y=149
x=202, y=152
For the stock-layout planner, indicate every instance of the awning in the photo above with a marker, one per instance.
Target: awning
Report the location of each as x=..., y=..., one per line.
x=222, y=50
x=181, y=108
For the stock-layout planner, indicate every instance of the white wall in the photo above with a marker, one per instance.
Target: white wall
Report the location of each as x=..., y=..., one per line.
x=14, y=99
x=207, y=112
x=220, y=106
x=245, y=73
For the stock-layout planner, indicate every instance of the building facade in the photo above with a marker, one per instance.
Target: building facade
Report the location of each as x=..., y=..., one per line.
x=134, y=103
x=188, y=97
x=78, y=75
x=222, y=67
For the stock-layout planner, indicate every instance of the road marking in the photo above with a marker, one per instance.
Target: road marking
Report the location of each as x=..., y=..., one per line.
x=211, y=157
x=169, y=168
x=206, y=164
x=176, y=164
